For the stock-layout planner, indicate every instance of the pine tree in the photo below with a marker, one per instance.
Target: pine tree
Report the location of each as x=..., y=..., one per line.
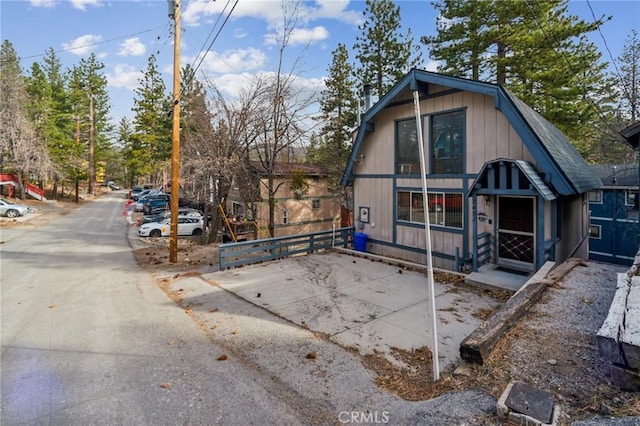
x=535, y=49
x=629, y=62
x=151, y=142
x=338, y=106
x=50, y=110
x=385, y=54
x=90, y=104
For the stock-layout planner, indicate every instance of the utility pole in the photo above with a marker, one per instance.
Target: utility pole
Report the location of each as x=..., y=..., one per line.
x=92, y=161
x=174, y=13
x=77, y=181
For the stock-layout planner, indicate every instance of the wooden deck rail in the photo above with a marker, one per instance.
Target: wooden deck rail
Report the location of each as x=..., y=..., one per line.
x=256, y=251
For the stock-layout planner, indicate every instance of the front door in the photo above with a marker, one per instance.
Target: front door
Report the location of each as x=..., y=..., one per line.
x=516, y=233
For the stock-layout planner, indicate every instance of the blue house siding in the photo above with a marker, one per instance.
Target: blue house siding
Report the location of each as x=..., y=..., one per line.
x=615, y=235
x=615, y=230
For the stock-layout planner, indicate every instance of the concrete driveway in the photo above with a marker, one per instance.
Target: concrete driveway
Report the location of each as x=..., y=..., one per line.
x=360, y=303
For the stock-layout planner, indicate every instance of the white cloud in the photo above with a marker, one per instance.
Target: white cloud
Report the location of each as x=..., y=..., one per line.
x=124, y=76
x=83, y=44
x=196, y=10
x=300, y=36
x=335, y=9
x=132, y=47
x=432, y=66
x=43, y=3
x=232, y=61
x=82, y=4
x=232, y=85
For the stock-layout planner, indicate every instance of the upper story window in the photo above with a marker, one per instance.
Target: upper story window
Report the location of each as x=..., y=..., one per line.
x=285, y=217
x=447, y=143
x=315, y=204
x=631, y=199
x=595, y=196
x=407, y=153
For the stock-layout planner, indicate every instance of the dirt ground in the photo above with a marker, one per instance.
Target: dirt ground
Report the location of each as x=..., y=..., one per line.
x=553, y=347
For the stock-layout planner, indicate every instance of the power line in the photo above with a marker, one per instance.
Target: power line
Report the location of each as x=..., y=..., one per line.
x=90, y=44
x=606, y=46
x=562, y=54
x=195, y=69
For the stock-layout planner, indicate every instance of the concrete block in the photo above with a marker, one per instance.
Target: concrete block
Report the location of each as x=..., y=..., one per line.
x=524, y=404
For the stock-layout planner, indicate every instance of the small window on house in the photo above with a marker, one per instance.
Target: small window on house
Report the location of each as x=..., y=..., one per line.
x=315, y=204
x=594, y=231
x=444, y=209
x=285, y=217
x=595, y=197
x=407, y=153
x=631, y=199
x=236, y=209
x=315, y=178
x=447, y=143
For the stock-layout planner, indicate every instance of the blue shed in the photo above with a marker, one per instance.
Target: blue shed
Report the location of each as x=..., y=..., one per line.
x=614, y=234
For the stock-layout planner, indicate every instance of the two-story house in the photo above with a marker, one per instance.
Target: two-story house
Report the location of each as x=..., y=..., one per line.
x=300, y=208
x=504, y=185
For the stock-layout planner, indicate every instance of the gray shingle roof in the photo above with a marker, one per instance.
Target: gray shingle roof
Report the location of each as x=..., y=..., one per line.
x=617, y=174
x=557, y=160
x=558, y=146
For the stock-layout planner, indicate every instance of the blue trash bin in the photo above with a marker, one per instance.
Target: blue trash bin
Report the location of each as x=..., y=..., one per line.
x=360, y=241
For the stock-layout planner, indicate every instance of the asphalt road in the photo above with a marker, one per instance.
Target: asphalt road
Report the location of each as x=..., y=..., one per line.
x=89, y=338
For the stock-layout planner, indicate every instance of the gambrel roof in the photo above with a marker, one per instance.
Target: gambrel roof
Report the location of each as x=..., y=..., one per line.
x=558, y=161
x=632, y=134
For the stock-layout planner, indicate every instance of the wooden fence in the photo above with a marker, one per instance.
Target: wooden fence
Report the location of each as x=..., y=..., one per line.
x=256, y=251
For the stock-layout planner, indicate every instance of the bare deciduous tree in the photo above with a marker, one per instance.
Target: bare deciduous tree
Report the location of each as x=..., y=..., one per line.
x=21, y=150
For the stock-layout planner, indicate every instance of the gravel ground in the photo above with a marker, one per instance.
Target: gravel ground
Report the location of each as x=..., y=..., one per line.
x=554, y=348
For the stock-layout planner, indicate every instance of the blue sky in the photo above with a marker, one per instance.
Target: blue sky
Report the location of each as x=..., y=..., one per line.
x=124, y=33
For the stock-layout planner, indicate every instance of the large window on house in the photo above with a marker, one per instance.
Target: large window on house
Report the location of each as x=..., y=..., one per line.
x=447, y=143
x=407, y=153
x=444, y=209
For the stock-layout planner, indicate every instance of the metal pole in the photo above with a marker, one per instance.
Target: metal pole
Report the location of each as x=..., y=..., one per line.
x=92, y=160
x=175, y=154
x=427, y=232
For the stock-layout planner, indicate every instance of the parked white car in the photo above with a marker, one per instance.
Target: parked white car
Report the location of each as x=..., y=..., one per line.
x=187, y=225
x=11, y=209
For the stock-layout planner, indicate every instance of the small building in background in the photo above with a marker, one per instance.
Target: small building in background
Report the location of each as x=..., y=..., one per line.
x=303, y=203
x=614, y=235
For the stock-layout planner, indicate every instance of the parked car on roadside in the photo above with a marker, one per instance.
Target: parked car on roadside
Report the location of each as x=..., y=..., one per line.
x=112, y=186
x=145, y=193
x=156, y=205
x=187, y=225
x=11, y=209
x=159, y=217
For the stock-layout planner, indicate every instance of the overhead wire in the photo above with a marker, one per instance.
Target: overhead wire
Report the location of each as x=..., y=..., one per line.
x=202, y=55
x=562, y=54
x=613, y=61
x=90, y=44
